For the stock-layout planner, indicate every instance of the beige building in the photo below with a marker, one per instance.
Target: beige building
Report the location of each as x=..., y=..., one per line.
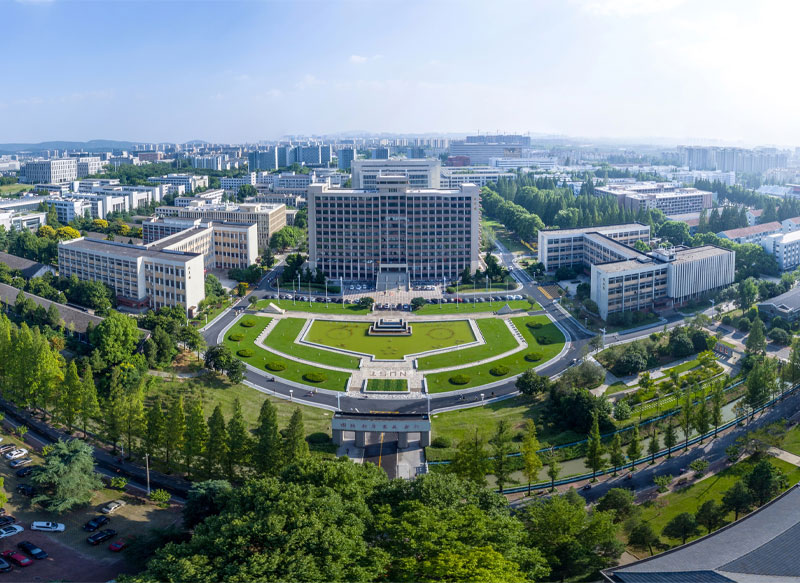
x=224, y=245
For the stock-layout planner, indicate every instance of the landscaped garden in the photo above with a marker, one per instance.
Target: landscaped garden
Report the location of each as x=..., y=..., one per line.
x=387, y=385
x=498, y=340
x=467, y=307
x=313, y=307
x=283, y=336
x=425, y=336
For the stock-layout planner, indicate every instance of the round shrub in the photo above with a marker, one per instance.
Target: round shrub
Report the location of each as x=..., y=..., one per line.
x=499, y=370
x=542, y=340
x=727, y=320
x=533, y=356
x=459, y=379
x=245, y=352
x=441, y=442
x=247, y=323
x=318, y=438
x=534, y=325
x=315, y=377
x=276, y=365
x=236, y=337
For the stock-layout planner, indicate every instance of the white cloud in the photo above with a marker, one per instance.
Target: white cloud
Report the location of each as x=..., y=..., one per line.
x=358, y=59
x=625, y=8
x=308, y=81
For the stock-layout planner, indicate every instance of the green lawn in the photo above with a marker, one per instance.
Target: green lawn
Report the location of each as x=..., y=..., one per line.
x=282, y=338
x=616, y=388
x=480, y=286
x=508, y=239
x=424, y=336
x=398, y=385
x=791, y=442
x=8, y=189
x=471, y=308
x=659, y=512
x=498, y=340
x=294, y=371
x=216, y=311
x=688, y=365
x=315, y=307
x=516, y=363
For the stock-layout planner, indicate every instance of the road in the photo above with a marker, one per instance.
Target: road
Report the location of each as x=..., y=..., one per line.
x=383, y=453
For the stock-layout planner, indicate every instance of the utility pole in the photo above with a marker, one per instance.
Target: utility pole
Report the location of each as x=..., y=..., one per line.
x=147, y=465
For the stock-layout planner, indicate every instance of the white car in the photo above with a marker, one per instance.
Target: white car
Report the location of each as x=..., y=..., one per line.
x=112, y=506
x=10, y=530
x=15, y=453
x=47, y=526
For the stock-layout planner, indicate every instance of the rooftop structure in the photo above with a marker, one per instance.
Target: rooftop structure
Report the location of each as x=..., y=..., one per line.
x=190, y=182
x=786, y=305
x=423, y=173
x=671, y=198
x=26, y=267
x=754, y=234
x=453, y=177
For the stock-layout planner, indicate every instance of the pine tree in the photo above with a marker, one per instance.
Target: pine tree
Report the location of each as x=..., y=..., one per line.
x=217, y=442
x=500, y=443
x=653, y=446
x=615, y=456
x=267, y=449
x=114, y=410
x=294, y=443
x=239, y=442
x=634, y=447
x=134, y=418
x=531, y=461
x=717, y=402
x=595, y=460
x=175, y=431
x=90, y=407
x=670, y=437
x=196, y=437
x=154, y=429
x=687, y=416
x=69, y=399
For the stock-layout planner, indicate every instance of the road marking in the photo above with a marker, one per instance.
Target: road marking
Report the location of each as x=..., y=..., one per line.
x=380, y=451
x=545, y=292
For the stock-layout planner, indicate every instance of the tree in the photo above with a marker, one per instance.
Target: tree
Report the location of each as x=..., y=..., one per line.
x=235, y=370
x=764, y=482
x=66, y=478
x=115, y=338
x=133, y=417
x=154, y=428
x=470, y=460
x=681, y=527
x=174, y=432
x=479, y=564
x=620, y=501
x=239, y=446
x=365, y=302
x=530, y=383
x=702, y=418
x=642, y=536
x=756, y=341
x=89, y=406
x=417, y=303
x=670, y=437
x=634, y=447
x=217, y=444
x=737, y=499
x=218, y=357
x=761, y=377
x=192, y=338
x=196, y=437
x=295, y=446
x=69, y=400
x=615, y=456
x=748, y=290
x=532, y=463
x=791, y=370
x=653, y=446
x=595, y=460
x=687, y=416
x=267, y=447
x=205, y=499
x=717, y=402
x=114, y=410
x=675, y=231
x=500, y=444
x=553, y=470
x=710, y=514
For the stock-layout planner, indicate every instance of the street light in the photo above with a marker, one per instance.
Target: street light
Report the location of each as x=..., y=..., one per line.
x=481, y=397
x=291, y=395
x=147, y=465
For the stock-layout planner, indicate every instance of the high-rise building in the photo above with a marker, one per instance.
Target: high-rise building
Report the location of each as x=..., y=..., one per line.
x=263, y=160
x=420, y=173
x=53, y=171
x=345, y=158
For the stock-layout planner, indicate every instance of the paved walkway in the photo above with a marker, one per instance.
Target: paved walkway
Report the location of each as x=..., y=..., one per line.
x=784, y=455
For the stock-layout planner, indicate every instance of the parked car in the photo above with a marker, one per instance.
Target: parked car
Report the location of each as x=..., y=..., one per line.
x=17, y=558
x=112, y=506
x=20, y=462
x=26, y=489
x=95, y=523
x=7, y=447
x=6, y=520
x=24, y=472
x=5, y=566
x=47, y=526
x=32, y=550
x=117, y=546
x=101, y=536
x=10, y=530
x=16, y=453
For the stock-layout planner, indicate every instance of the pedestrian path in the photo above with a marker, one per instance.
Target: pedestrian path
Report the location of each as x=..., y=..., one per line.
x=784, y=455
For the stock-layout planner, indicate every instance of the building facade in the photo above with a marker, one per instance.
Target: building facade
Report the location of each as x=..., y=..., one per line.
x=232, y=185
x=671, y=198
x=50, y=171
x=568, y=247
x=428, y=234
x=345, y=157
x=190, y=182
x=420, y=173
x=754, y=234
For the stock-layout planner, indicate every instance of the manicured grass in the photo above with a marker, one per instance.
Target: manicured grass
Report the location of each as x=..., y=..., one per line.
x=424, y=336
x=659, y=512
x=791, y=442
x=398, y=385
x=516, y=363
x=283, y=336
x=8, y=189
x=216, y=311
x=480, y=286
x=498, y=340
x=471, y=307
x=688, y=365
x=616, y=388
x=508, y=239
x=294, y=371
x=315, y=307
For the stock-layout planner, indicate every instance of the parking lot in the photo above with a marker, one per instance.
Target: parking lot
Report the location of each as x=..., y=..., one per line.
x=71, y=558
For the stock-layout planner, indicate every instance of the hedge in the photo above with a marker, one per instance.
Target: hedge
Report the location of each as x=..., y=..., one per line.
x=276, y=365
x=247, y=323
x=245, y=352
x=236, y=337
x=533, y=356
x=441, y=442
x=315, y=377
x=543, y=340
x=534, y=325
x=459, y=379
x=499, y=370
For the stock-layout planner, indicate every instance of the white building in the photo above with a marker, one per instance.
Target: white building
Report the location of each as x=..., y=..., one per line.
x=232, y=185
x=189, y=181
x=207, y=197
x=424, y=173
x=754, y=234
x=50, y=171
x=455, y=176
x=545, y=163
x=785, y=247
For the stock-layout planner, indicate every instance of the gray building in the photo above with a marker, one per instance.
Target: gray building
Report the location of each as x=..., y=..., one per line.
x=50, y=171
x=345, y=158
x=424, y=173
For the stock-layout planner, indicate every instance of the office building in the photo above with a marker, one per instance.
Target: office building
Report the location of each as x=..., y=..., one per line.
x=269, y=218
x=262, y=160
x=754, y=234
x=382, y=153
x=345, y=157
x=786, y=305
x=207, y=196
x=785, y=247
x=481, y=149
x=670, y=198
x=287, y=198
x=189, y=181
x=232, y=185
x=224, y=245
x=479, y=175
x=88, y=166
x=19, y=221
x=420, y=173
x=217, y=162
x=393, y=232
x=50, y=171
x=291, y=183
x=545, y=162
x=140, y=277
x=570, y=247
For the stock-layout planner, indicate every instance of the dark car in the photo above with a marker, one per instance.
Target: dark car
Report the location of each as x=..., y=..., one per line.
x=6, y=520
x=101, y=536
x=32, y=550
x=26, y=489
x=24, y=472
x=17, y=558
x=95, y=523
x=5, y=566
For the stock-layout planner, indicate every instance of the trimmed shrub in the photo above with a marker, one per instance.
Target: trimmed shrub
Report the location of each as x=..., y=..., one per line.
x=533, y=356
x=318, y=438
x=245, y=352
x=276, y=365
x=315, y=377
x=247, y=323
x=459, y=379
x=534, y=325
x=727, y=320
x=441, y=442
x=236, y=337
x=499, y=370
x=543, y=340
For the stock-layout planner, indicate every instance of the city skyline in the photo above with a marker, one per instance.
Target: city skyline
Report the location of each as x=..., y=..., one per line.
x=248, y=71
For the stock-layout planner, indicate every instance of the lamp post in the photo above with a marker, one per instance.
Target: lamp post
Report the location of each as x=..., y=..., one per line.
x=147, y=465
x=603, y=338
x=326, y=293
x=291, y=395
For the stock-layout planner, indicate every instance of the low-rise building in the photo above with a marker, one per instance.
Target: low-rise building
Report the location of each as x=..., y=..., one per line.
x=22, y=220
x=480, y=175
x=786, y=305
x=569, y=247
x=753, y=215
x=213, y=196
x=26, y=267
x=754, y=234
x=785, y=247
x=190, y=182
x=233, y=184
x=670, y=198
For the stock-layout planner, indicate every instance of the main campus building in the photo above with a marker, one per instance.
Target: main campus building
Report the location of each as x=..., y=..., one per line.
x=626, y=279
x=393, y=231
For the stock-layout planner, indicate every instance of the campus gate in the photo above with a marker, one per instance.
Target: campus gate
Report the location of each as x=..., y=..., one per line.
x=362, y=423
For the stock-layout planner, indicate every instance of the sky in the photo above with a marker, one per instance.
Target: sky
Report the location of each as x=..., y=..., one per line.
x=678, y=71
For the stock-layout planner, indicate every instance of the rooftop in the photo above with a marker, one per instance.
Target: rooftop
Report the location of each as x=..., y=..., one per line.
x=601, y=230
x=78, y=319
x=789, y=301
x=125, y=250
x=26, y=266
x=754, y=230
x=686, y=254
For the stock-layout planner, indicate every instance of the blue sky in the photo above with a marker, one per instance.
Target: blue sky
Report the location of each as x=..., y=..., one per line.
x=701, y=70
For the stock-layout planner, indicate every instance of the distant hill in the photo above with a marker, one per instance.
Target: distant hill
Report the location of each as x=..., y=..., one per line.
x=90, y=146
